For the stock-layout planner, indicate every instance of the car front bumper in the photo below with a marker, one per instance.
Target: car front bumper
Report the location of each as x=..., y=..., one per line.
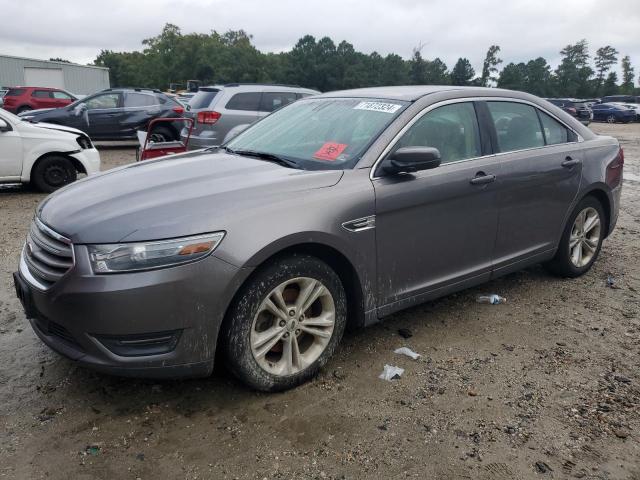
x=89, y=318
x=90, y=160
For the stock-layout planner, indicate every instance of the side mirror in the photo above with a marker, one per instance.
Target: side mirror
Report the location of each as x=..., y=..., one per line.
x=4, y=126
x=412, y=159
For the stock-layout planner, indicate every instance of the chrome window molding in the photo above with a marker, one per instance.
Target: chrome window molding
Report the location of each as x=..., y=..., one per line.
x=431, y=107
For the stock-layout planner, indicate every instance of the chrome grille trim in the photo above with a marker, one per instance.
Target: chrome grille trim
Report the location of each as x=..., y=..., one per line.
x=46, y=257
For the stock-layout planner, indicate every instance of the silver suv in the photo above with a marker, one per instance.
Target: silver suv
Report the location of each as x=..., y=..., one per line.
x=221, y=109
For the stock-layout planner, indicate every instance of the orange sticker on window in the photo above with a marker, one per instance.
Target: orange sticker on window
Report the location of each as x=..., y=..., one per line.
x=330, y=151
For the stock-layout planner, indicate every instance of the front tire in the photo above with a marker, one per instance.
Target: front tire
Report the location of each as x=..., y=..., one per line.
x=53, y=172
x=285, y=323
x=611, y=119
x=581, y=240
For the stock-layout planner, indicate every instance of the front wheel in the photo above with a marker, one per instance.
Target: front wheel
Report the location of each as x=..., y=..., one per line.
x=611, y=119
x=285, y=323
x=53, y=172
x=581, y=241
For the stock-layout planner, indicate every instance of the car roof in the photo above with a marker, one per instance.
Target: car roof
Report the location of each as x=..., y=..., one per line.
x=39, y=88
x=261, y=87
x=412, y=93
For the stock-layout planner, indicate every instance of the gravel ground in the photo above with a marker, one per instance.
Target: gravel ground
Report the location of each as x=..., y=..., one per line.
x=544, y=386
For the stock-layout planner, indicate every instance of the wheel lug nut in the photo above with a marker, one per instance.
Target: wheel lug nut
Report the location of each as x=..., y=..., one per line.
x=286, y=335
x=282, y=323
x=298, y=331
x=292, y=312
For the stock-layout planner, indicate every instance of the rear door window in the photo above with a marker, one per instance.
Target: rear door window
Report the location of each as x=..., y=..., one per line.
x=244, y=101
x=137, y=100
x=274, y=100
x=517, y=126
x=452, y=129
x=62, y=95
x=203, y=98
x=41, y=94
x=554, y=132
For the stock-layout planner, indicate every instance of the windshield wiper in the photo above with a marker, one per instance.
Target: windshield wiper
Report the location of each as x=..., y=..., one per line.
x=270, y=157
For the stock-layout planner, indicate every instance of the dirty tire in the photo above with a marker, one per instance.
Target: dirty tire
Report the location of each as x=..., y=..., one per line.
x=53, y=172
x=562, y=265
x=239, y=323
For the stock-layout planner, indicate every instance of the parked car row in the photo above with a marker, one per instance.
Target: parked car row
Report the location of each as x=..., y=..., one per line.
x=611, y=109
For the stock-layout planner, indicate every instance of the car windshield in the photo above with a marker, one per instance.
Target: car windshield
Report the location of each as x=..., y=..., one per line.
x=320, y=133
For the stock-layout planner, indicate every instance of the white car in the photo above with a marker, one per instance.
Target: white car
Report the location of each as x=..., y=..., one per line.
x=46, y=155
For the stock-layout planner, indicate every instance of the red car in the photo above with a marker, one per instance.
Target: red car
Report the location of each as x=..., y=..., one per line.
x=21, y=99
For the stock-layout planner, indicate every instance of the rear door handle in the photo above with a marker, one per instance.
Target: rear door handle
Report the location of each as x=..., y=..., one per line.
x=570, y=162
x=482, y=179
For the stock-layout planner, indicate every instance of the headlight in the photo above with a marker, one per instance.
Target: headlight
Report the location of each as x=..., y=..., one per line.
x=84, y=142
x=127, y=257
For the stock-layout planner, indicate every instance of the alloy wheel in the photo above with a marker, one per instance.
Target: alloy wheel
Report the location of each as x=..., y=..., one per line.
x=293, y=326
x=585, y=237
x=611, y=119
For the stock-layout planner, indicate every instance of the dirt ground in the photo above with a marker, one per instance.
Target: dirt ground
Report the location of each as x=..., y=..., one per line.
x=544, y=386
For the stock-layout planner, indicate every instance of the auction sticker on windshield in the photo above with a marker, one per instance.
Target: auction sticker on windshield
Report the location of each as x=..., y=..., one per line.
x=330, y=151
x=378, y=107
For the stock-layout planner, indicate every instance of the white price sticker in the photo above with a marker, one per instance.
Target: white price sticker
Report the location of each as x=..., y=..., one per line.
x=378, y=107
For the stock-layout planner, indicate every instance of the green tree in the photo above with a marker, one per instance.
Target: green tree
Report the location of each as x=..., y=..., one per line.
x=490, y=66
x=574, y=73
x=604, y=59
x=514, y=77
x=462, y=72
x=417, y=68
x=628, y=75
x=436, y=73
x=610, y=86
x=539, y=78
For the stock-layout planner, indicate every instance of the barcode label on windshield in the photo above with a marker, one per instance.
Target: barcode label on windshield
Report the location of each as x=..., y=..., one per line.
x=378, y=107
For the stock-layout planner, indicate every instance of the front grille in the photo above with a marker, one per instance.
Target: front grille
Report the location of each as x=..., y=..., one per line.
x=48, y=255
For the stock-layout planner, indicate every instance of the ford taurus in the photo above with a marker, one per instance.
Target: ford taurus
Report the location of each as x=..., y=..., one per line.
x=338, y=209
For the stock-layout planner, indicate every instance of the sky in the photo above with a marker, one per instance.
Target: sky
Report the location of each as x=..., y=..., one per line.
x=78, y=29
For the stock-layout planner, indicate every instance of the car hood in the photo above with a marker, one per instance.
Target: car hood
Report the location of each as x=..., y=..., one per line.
x=37, y=111
x=173, y=196
x=53, y=126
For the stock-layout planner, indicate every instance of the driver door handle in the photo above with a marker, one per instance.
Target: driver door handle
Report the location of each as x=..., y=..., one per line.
x=570, y=162
x=481, y=179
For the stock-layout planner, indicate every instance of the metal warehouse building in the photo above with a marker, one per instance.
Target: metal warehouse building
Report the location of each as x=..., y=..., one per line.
x=75, y=78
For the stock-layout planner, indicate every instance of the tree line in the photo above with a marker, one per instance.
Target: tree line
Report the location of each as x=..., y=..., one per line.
x=174, y=57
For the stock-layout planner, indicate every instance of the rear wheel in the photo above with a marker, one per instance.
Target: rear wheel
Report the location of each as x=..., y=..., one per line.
x=24, y=108
x=581, y=240
x=52, y=173
x=161, y=135
x=611, y=119
x=286, y=323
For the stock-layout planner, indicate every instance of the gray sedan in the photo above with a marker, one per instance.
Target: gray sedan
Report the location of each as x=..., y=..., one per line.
x=336, y=210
